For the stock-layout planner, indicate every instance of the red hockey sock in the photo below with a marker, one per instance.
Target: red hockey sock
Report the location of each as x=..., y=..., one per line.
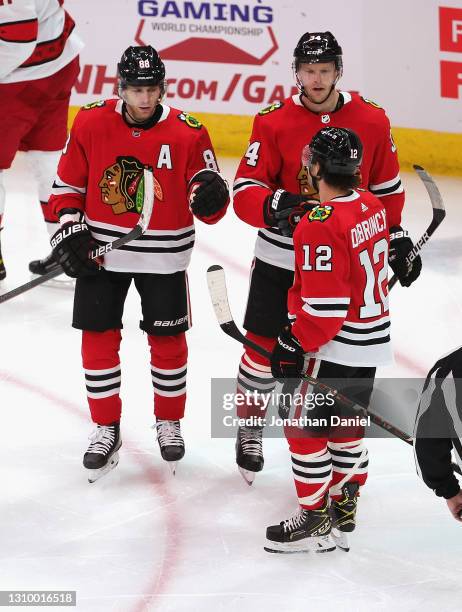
x=100, y=357
x=349, y=464
x=169, y=356
x=255, y=380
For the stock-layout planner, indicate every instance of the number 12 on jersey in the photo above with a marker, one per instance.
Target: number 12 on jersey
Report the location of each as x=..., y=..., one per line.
x=374, y=300
x=374, y=280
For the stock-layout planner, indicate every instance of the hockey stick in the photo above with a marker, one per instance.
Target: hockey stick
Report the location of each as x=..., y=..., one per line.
x=217, y=288
x=438, y=215
x=219, y=295
x=133, y=234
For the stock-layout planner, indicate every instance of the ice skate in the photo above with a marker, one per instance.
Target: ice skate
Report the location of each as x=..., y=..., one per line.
x=249, y=452
x=307, y=530
x=102, y=455
x=170, y=441
x=343, y=515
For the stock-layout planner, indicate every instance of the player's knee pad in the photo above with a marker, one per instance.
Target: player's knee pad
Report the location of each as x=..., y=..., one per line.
x=264, y=342
x=43, y=165
x=254, y=369
x=169, y=348
x=100, y=350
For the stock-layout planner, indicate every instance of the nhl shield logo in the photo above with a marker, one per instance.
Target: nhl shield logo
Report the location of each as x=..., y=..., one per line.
x=325, y=119
x=320, y=213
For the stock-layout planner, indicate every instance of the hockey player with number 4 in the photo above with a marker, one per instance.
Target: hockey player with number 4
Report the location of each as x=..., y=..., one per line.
x=98, y=195
x=272, y=190
x=340, y=329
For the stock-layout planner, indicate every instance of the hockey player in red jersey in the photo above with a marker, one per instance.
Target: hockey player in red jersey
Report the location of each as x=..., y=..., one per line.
x=100, y=178
x=39, y=65
x=271, y=190
x=340, y=330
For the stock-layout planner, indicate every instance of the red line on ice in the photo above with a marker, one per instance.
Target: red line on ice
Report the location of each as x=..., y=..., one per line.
x=172, y=538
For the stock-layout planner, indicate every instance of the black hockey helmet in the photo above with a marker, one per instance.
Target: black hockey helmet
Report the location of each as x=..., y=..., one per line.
x=140, y=66
x=316, y=48
x=338, y=150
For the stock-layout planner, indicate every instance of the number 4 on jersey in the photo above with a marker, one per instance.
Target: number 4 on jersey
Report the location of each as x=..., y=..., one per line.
x=252, y=153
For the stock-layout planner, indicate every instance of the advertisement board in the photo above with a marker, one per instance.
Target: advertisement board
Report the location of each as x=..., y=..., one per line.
x=226, y=60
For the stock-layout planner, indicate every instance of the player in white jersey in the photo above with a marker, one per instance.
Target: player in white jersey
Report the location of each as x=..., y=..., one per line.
x=39, y=65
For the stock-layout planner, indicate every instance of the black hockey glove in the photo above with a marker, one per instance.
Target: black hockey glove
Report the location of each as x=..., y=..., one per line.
x=208, y=193
x=284, y=210
x=72, y=244
x=400, y=247
x=287, y=358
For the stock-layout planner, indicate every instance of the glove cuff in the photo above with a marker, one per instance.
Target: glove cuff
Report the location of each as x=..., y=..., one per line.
x=270, y=206
x=398, y=232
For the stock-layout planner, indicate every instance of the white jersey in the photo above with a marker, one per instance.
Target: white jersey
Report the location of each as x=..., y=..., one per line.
x=37, y=39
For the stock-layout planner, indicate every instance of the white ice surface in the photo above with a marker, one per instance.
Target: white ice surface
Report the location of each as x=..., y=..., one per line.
x=140, y=539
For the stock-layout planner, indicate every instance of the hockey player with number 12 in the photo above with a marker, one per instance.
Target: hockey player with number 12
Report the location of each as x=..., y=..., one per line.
x=271, y=189
x=100, y=178
x=340, y=330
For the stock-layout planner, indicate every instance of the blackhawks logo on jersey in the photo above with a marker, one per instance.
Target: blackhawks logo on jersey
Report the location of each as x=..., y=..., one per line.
x=122, y=185
x=271, y=108
x=320, y=213
x=96, y=104
x=191, y=121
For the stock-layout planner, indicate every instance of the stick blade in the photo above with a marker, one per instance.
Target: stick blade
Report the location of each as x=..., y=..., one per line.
x=433, y=192
x=216, y=282
x=148, y=200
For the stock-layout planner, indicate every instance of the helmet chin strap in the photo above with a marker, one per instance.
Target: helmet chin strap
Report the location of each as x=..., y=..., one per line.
x=315, y=178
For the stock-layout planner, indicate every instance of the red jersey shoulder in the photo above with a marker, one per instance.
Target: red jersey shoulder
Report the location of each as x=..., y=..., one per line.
x=324, y=219
x=185, y=127
x=375, y=113
x=271, y=108
x=276, y=114
x=185, y=119
x=94, y=112
x=369, y=199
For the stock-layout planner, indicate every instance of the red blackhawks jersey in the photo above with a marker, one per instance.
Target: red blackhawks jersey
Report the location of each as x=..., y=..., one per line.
x=273, y=160
x=100, y=173
x=339, y=299
x=37, y=39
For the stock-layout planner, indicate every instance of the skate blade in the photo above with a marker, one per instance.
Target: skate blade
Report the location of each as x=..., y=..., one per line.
x=247, y=475
x=341, y=539
x=172, y=466
x=95, y=475
x=320, y=544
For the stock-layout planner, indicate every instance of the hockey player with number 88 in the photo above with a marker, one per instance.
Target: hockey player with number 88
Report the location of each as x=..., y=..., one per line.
x=272, y=190
x=100, y=181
